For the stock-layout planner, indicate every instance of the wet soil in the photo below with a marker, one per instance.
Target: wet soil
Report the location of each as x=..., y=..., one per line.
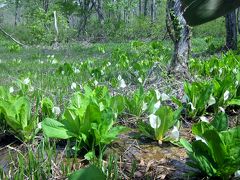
x=146, y=159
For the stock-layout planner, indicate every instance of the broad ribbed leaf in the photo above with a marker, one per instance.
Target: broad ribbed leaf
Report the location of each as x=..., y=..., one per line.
x=220, y=122
x=22, y=106
x=89, y=173
x=55, y=129
x=166, y=116
x=216, y=145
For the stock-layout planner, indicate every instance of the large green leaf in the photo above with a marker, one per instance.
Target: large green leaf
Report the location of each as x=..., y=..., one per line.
x=202, y=158
x=231, y=139
x=220, y=122
x=112, y=134
x=146, y=129
x=216, y=145
x=89, y=173
x=200, y=128
x=166, y=115
x=55, y=129
x=22, y=106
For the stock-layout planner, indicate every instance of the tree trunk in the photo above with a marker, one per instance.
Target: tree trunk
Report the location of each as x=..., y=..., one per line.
x=45, y=5
x=238, y=19
x=17, y=6
x=231, y=31
x=145, y=7
x=179, y=32
x=98, y=7
x=140, y=8
x=153, y=10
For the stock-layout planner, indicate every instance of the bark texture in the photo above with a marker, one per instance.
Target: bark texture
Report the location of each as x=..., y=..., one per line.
x=238, y=19
x=179, y=32
x=231, y=31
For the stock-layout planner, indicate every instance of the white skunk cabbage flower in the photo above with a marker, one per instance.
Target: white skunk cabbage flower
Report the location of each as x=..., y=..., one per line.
x=26, y=81
x=73, y=86
x=140, y=80
x=192, y=107
x=221, y=109
x=236, y=83
x=39, y=125
x=220, y=71
x=155, y=121
x=95, y=82
x=144, y=106
x=204, y=119
x=54, y=61
x=157, y=94
x=31, y=89
x=119, y=77
x=76, y=70
x=56, y=110
x=211, y=100
x=226, y=95
x=11, y=90
x=175, y=133
x=235, y=71
x=156, y=106
x=122, y=83
x=164, y=97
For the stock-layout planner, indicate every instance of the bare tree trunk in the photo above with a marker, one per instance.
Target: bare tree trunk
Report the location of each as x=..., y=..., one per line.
x=238, y=19
x=231, y=31
x=45, y=5
x=98, y=7
x=87, y=6
x=153, y=10
x=17, y=6
x=179, y=32
x=139, y=7
x=145, y=7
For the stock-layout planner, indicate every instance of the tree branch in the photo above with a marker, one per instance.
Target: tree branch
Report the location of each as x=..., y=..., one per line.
x=12, y=38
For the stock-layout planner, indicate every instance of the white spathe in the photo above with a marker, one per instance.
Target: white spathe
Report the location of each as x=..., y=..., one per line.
x=175, y=133
x=73, y=86
x=156, y=106
x=122, y=83
x=192, y=107
x=155, y=121
x=56, y=110
x=211, y=100
x=144, y=106
x=164, y=97
x=11, y=89
x=226, y=95
x=26, y=81
x=158, y=95
x=204, y=119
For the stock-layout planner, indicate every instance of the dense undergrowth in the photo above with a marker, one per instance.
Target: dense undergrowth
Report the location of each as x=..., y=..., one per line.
x=81, y=98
